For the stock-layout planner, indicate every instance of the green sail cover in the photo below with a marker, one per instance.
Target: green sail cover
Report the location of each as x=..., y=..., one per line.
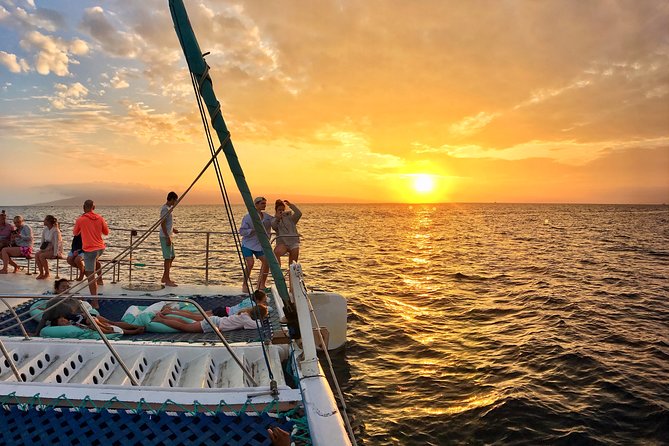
x=200, y=69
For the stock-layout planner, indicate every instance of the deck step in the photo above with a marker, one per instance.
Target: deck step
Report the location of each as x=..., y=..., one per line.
x=30, y=367
x=259, y=370
x=62, y=369
x=199, y=373
x=136, y=363
x=6, y=373
x=164, y=372
x=229, y=374
x=95, y=369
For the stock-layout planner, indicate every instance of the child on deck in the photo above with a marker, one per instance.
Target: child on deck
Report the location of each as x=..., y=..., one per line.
x=244, y=319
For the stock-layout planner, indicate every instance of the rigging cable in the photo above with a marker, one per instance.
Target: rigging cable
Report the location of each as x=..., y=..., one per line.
x=197, y=83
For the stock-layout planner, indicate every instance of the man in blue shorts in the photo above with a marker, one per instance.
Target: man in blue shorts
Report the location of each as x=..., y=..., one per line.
x=251, y=246
x=166, y=231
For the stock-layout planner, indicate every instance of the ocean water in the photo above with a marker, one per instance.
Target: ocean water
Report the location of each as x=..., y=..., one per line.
x=473, y=323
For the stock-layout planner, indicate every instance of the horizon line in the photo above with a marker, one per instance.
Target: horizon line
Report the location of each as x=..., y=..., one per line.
x=363, y=203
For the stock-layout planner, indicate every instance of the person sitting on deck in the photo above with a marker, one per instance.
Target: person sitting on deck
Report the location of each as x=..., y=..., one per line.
x=6, y=230
x=75, y=258
x=244, y=319
x=21, y=241
x=51, y=247
x=70, y=308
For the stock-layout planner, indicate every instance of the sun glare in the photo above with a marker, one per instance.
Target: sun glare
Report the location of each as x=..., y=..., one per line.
x=423, y=183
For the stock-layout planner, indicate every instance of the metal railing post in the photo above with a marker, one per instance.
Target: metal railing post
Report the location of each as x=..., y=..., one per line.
x=16, y=316
x=10, y=361
x=112, y=350
x=132, y=232
x=206, y=261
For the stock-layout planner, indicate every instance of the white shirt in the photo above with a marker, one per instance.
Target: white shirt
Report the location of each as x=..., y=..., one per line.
x=168, y=221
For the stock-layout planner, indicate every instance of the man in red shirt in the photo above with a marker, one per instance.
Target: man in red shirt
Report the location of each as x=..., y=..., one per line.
x=92, y=227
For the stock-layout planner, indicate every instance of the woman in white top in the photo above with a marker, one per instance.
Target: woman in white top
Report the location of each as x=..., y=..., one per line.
x=51, y=247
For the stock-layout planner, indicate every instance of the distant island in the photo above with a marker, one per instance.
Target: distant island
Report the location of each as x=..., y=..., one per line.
x=155, y=198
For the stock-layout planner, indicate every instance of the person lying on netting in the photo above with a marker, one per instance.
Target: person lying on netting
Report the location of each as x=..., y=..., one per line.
x=246, y=318
x=259, y=297
x=63, y=310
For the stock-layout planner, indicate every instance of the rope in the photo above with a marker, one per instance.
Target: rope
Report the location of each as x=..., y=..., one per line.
x=197, y=84
x=107, y=266
x=87, y=403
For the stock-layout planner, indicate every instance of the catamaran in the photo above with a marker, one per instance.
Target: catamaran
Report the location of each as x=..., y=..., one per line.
x=162, y=387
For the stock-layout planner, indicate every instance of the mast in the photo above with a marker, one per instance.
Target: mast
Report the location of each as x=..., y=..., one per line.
x=199, y=68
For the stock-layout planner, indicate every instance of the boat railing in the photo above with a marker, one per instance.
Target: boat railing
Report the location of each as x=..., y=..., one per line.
x=200, y=259
x=5, y=352
x=105, y=339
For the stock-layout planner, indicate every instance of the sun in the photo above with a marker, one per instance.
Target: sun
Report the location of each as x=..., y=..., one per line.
x=423, y=183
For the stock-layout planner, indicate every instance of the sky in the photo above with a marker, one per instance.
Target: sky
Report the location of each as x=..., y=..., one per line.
x=340, y=101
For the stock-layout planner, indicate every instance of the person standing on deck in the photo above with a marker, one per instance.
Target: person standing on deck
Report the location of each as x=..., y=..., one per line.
x=92, y=227
x=166, y=230
x=251, y=245
x=284, y=224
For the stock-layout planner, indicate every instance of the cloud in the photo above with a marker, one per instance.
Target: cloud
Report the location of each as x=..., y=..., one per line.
x=349, y=150
x=565, y=152
x=37, y=18
x=12, y=63
x=72, y=96
x=472, y=124
x=153, y=128
x=118, y=81
x=53, y=53
x=113, y=41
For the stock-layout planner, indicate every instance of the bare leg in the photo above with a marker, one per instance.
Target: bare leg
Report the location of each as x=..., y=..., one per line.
x=79, y=263
x=14, y=265
x=293, y=255
x=45, y=264
x=280, y=250
x=192, y=327
x=167, y=265
x=247, y=273
x=183, y=313
x=98, y=268
x=135, y=330
x=6, y=255
x=5, y=260
x=125, y=326
x=93, y=288
x=38, y=262
x=264, y=269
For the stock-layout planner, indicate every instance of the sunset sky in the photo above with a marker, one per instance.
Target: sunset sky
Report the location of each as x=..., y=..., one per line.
x=340, y=101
